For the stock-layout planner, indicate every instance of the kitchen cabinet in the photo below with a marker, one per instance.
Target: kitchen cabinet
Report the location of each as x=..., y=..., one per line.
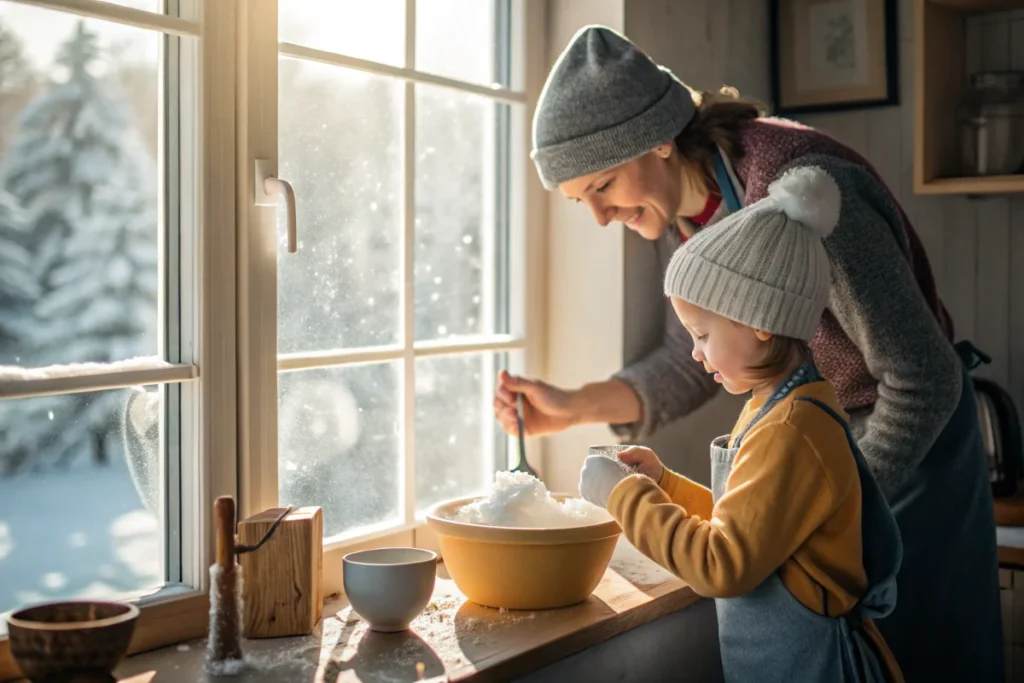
x=954, y=38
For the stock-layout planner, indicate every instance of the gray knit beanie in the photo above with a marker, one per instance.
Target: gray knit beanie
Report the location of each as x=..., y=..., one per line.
x=765, y=266
x=605, y=102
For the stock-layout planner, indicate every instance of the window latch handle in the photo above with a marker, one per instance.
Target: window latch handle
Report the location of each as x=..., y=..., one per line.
x=267, y=189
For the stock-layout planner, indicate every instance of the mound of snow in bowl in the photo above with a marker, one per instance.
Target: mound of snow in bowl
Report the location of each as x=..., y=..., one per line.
x=521, y=500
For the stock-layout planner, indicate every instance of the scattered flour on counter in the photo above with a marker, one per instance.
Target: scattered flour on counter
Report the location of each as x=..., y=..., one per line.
x=521, y=500
x=228, y=667
x=447, y=635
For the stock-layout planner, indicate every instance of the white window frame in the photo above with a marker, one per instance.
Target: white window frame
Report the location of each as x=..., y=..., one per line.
x=205, y=135
x=232, y=366
x=259, y=363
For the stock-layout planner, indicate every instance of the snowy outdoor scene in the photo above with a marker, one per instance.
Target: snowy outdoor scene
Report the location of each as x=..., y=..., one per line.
x=78, y=282
x=82, y=513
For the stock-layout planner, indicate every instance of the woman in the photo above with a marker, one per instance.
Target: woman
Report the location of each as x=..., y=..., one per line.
x=619, y=133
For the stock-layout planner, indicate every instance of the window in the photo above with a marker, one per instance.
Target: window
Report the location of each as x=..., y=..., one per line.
x=160, y=345
x=107, y=200
x=95, y=145
x=396, y=311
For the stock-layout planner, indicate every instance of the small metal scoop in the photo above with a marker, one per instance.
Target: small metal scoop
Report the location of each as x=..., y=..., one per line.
x=524, y=465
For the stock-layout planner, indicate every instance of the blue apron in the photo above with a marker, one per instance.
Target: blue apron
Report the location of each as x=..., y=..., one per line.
x=947, y=625
x=768, y=635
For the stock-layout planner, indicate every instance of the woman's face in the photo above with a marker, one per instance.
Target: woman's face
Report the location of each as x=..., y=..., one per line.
x=647, y=194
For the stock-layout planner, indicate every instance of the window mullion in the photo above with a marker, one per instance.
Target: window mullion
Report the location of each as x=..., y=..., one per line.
x=169, y=245
x=121, y=14
x=185, y=134
x=257, y=131
x=409, y=273
x=214, y=472
x=312, y=54
x=496, y=279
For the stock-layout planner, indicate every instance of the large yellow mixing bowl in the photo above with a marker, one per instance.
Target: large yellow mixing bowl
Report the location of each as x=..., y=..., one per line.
x=520, y=568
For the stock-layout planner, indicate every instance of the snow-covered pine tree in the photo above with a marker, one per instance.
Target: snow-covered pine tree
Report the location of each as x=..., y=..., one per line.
x=18, y=289
x=82, y=173
x=18, y=83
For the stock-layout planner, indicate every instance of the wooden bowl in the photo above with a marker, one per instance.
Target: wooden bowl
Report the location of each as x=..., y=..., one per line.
x=523, y=568
x=62, y=642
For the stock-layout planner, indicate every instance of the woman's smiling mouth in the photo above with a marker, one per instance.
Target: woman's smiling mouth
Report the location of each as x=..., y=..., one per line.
x=635, y=217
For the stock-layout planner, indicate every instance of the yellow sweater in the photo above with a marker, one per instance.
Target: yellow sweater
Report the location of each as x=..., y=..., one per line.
x=792, y=504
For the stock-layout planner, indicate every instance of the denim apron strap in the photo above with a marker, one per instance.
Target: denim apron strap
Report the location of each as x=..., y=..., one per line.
x=805, y=374
x=970, y=355
x=732, y=201
x=880, y=535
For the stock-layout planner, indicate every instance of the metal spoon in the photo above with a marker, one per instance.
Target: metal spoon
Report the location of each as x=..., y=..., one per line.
x=524, y=465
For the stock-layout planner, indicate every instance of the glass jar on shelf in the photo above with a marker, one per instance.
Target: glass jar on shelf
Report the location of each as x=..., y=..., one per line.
x=991, y=123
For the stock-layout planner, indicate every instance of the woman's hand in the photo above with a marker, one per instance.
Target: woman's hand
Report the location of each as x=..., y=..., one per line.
x=643, y=460
x=546, y=408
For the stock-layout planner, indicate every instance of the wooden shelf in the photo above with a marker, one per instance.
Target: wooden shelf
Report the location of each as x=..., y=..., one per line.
x=941, y=74
x=979, y=5
x=996, y=184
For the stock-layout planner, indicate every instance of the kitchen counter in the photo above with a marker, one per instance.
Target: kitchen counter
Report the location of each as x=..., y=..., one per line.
x=453, y=639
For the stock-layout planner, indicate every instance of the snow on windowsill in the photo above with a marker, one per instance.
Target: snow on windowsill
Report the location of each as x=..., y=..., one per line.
x=14, y=373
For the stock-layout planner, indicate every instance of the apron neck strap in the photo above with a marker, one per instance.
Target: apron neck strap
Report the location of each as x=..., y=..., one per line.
x=805, y=374
x=725, y=186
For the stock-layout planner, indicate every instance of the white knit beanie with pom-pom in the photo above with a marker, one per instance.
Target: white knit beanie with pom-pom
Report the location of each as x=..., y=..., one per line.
x=765, y=266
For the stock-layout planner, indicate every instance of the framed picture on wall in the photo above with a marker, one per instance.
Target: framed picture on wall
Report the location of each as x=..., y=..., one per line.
x=832, y=55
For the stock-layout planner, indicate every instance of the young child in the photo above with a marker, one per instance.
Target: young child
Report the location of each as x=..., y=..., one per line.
x=794, y=538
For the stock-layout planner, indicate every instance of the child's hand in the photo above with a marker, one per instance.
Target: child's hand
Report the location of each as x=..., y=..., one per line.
x=644, y=461
x=598, y=477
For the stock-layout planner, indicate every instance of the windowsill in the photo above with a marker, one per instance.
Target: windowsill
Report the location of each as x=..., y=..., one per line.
x=452, y=638
x=161, y=595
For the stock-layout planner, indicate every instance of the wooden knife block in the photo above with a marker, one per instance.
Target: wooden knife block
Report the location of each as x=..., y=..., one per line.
x=282, y=584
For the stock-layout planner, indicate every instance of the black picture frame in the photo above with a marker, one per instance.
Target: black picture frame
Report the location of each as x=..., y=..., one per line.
x=781, y=83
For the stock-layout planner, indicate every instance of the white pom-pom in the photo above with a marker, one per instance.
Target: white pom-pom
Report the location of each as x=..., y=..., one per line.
x=810, y=196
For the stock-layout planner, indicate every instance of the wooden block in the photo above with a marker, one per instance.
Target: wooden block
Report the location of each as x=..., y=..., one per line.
x=1005, y=578
x=282, y=581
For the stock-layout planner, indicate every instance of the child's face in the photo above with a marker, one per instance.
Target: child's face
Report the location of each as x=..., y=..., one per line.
x=724, y=347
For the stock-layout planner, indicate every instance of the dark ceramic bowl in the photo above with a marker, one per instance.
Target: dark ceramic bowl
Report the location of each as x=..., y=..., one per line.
x=62, y=642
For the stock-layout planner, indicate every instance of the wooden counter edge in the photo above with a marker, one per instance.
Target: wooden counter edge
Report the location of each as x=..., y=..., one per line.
x=533, y=659
x=1011, y=556
x=500, y=667
x=9, y=671
x=160, y=624
x=1009, y=511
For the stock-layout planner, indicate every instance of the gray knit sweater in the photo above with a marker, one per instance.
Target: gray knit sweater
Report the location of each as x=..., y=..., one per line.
x=878, y=304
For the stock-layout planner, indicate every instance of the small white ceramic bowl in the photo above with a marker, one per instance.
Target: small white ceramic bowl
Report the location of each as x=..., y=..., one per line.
x=389, y=587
